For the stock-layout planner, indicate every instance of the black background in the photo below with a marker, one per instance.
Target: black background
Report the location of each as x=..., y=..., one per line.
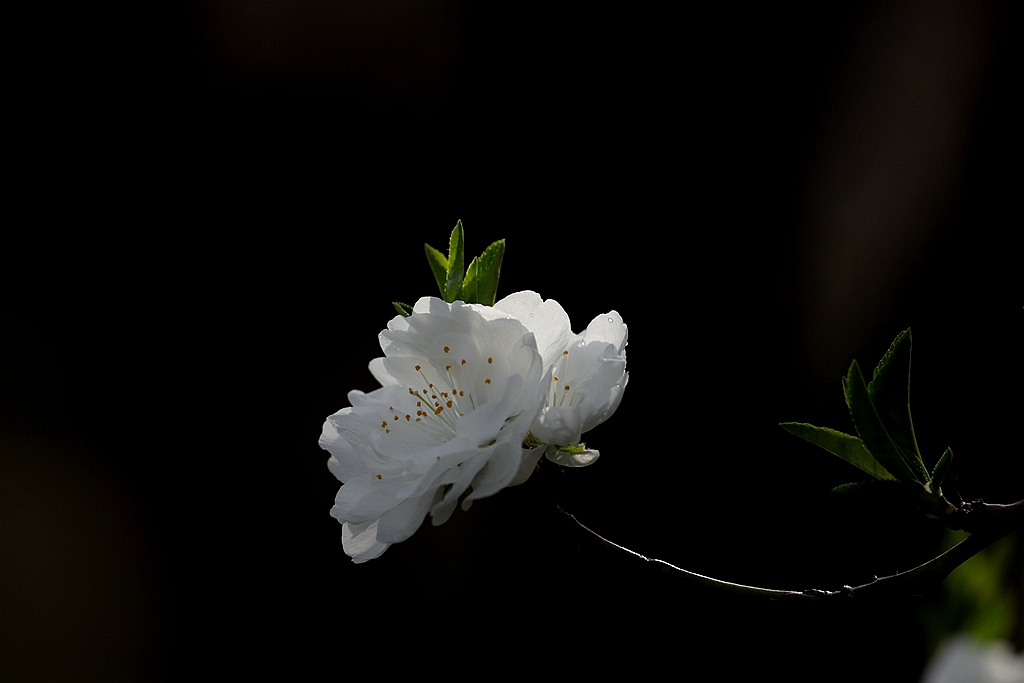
x=217, y=205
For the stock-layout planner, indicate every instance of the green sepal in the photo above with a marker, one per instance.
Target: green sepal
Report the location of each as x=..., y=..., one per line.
x=456, y=264
x=940, y=470
x=889, y=392
x=847, y=447
x=870, y=428
x=403, y=309
x=438, y=266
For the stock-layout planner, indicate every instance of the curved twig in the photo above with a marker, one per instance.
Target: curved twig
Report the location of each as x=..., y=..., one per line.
x=990, y=523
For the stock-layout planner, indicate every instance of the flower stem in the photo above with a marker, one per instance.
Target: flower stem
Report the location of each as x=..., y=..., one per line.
x=989, y=524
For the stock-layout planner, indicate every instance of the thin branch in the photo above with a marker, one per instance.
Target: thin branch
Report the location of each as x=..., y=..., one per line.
x=999, y=520
x=751, y=591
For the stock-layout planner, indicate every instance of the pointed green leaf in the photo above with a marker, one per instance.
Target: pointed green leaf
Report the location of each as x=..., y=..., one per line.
x=879, y=493
x=873, y=487
x=889, y=391
x=941, y=468
x=490, y=272
x=470, y=290
x=852, y=487
x=456, y=264
x=870, y=428
x=847, y=447
x=438, y=265
x=403, y=309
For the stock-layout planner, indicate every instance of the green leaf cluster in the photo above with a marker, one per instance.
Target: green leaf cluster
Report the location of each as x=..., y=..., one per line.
x=477, y=284
x=885, y=446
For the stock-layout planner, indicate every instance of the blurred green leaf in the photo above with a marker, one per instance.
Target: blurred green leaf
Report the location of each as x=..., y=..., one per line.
x=870, y=428
x=403, y=309
x=978, y=597
x=889, y=392
x=847, y=447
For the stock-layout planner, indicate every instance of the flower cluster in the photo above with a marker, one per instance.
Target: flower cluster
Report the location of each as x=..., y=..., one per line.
x=471, y=398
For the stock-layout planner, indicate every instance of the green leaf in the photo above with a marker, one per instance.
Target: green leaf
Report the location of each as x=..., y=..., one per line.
x=470, y=292
x=481, y=283
x=438, y=265
x=847, y=447
x=870, y=428
x=941, y=469
x=490, y=272
x=889, y=392
x=456, y=263
x=873, y=488
x=403, y=309
x=884, y=497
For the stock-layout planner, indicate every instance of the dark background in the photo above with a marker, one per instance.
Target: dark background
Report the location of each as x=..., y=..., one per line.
x=218, y=204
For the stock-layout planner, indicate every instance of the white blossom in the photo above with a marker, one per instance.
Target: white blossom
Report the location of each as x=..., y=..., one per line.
x=588, y=373
x=461, y=386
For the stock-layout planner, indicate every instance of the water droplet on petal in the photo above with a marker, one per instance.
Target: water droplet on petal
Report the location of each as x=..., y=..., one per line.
x=531, y=315
x=611, y=320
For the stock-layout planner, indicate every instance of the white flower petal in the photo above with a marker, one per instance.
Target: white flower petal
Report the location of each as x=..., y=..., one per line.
x=360, y=541
x=402, y=521
x=588, y=370
x=561, y=425
x=501, y=468
x=607, y=328
x=528, y=462
x=461, y=385
x=546, y=319
x=581, y=458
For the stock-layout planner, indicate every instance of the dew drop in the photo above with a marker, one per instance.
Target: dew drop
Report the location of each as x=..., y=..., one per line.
x=531, y=315
x=610, y=320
